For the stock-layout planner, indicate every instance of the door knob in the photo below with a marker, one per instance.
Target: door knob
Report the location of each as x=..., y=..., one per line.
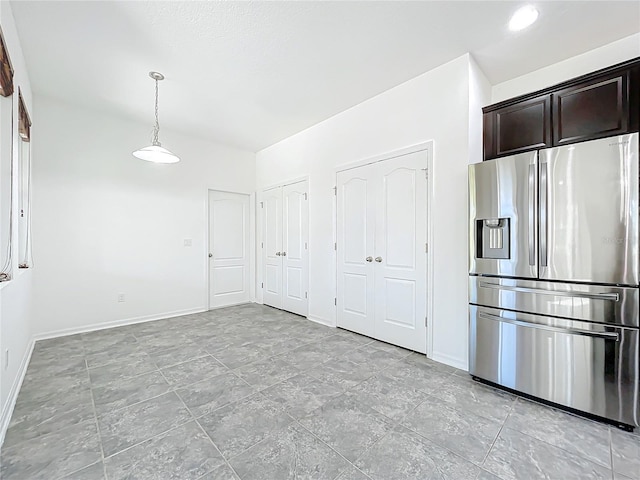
x=378, y=259
x=278, y=254
x=284, y=254
x=210, y=255
x=369, y=259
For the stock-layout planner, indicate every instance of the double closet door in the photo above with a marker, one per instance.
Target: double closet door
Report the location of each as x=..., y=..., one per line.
x=381, y=250
x=285, y=247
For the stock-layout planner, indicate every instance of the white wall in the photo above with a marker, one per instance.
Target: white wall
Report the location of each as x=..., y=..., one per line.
x=433, y=106
x=16, y=297
x=602, y=57
x=106, y=223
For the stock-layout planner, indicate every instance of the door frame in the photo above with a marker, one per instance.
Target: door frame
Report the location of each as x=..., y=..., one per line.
x=428, y=148
x=251, y=246
x=259, y=222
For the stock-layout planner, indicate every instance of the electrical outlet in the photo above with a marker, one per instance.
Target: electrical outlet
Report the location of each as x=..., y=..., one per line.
x=187, y=242
x=6, y=359
x=121, y=297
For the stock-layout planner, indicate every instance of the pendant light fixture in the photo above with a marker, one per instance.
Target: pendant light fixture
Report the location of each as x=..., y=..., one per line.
x=155, y=152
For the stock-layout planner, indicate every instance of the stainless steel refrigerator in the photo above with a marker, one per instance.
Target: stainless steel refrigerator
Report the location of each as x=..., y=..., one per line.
x=554, y=281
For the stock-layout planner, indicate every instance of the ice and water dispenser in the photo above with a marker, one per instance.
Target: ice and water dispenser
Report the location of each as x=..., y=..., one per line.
x=493, y=238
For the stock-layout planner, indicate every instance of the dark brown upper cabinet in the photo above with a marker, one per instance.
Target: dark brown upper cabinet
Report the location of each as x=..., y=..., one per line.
x=520, y=127
x=600, y=104
x=589, y=110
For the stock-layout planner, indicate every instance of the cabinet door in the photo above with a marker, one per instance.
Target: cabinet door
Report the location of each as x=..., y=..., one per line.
x=519, y=128
x=272, y=273
x=294, y=255
x=594, y=109
x=356, y=218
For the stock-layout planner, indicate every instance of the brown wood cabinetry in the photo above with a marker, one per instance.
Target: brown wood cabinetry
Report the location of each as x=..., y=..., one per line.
x=601, y=104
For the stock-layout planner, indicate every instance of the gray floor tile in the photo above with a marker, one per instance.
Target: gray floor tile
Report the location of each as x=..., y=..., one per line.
x=464, y=433
x=223, y=472
x=307, y=356
x=237, y=356
x=34, y=420
x=131, y=425
x=516, y=456
x=341, y=373
x=338, y=345
x=484, y=475
x=184, y=453
x=403, y=454
x=193, y=371
x=122, y=354
x=424, y=377
x=175, y=355
x=42, y=367
x=92, y=472
x=347, y=426
x=352, y=473
x=582, y=437
x=122, y=393
x=388, y=396
x=301, y=394
x=208, y=395
x=241, y=425
x=103, y=341
x=376, y=357
x=292, y=454
x=625, y=448
x=52, y=456
x=465, y=394
x=267, y=372
x=112, y=372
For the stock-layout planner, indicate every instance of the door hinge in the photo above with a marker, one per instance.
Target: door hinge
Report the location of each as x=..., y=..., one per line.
x=335, y=190
x=305, y=246
x=262, y=284
x=426, y=173
x=425, y=321
x=426, y=248
x=335, y=301
x=261, y=244
x=261, y=204
x=335, y=246
x=306, y=294
x=305, y=195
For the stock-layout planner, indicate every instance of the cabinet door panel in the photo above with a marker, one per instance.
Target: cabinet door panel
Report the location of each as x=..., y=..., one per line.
x=524, y=126
x=595, y=109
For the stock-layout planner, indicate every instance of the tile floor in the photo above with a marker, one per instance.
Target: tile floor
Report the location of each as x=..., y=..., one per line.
x=251, y=392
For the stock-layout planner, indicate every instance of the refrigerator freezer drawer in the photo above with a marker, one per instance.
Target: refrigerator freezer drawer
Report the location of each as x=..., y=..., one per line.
x=594, y=303
x=581, y=365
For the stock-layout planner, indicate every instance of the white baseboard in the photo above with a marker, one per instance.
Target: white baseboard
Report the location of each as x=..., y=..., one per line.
x=449, y=360
x=116, y=323
x=322, y=321
x=13, y=394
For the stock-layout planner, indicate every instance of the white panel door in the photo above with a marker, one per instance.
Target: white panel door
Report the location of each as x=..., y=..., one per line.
x=294, y=250
x=272, y=248
x=355, y=249
x=229, y=255
x=400, y=251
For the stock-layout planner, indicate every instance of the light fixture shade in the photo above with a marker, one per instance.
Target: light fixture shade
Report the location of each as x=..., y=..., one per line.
x=523, y=17
x=156, y=154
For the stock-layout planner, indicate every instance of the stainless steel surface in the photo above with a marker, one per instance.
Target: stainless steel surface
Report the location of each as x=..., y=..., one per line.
x=573, y=331
x=501, y=189
x=592, y=216
x=369, y=259
x=546, y=358
x=378, y=259
x=532, y=214
x=594, y=303
x=544, y=173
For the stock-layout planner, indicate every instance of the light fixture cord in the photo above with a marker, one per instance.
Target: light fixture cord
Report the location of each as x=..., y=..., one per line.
x=156, y=127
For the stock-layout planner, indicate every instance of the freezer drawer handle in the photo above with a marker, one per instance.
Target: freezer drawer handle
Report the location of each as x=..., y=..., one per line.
x=571, y=331
x=614, y=297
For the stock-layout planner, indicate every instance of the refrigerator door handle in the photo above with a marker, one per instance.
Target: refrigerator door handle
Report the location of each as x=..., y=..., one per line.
x=532, y=220
x=571, y=331
x=614, y=297
x=543, y=214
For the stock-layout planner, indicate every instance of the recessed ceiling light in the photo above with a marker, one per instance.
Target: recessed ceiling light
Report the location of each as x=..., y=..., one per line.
x=523, y=17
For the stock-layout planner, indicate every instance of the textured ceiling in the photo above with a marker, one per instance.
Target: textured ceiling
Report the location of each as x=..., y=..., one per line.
x=249, y=74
